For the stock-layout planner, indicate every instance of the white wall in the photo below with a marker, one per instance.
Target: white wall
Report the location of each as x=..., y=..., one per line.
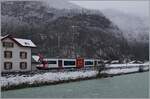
x=16, y=57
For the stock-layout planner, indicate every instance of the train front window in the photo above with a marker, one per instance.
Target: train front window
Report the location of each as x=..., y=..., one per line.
x=88, y=62
x=52, y=62
x=69, y=62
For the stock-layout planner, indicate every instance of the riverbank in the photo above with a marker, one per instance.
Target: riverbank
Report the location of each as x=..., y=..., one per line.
x=134, y=85
x=49, y=78
x=23, y=81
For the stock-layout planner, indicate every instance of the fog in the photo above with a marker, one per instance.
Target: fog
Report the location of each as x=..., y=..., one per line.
x=140, y=8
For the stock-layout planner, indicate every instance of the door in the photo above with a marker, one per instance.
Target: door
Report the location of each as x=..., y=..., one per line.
x=60, y=64
x=95, y=63
x=79, y=62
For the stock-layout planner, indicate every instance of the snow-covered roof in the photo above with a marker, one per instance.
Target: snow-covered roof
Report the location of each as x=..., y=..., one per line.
x=25, y=42
x=135, y=62
x=115, y=61
x=2, y=37
x=20, y=42
x=36, y=58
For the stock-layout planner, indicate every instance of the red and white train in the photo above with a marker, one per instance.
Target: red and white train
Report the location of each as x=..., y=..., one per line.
x=66, y=63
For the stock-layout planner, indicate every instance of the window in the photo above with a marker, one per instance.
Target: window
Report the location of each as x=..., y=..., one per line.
x=52, y=62
x=23, y=55
x=26, y=43
x=69, y=62
x=8, y=54
x=8, y=44
x=7, y=65
x=88, y=62
x=23, y=65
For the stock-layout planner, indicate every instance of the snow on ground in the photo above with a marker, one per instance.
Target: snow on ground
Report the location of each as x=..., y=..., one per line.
x=146, y=68
x=46, y=77
x=118, y=71
x=126, y=70
x=126, y=65
x=147, y=63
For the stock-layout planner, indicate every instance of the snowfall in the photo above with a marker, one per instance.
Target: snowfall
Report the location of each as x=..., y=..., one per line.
x=51, y=77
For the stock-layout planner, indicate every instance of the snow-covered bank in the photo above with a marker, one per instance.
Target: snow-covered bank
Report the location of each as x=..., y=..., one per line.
x=21, y=81
x=127, y=65
x=121, y=71
x=46, y=78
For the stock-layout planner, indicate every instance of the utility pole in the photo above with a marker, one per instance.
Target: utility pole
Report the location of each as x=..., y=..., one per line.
x=73, y=40
x=58, y=44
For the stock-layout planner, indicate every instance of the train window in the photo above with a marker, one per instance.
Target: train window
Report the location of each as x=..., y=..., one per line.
x=88, y=62
x=69, y=62
x=52, y=62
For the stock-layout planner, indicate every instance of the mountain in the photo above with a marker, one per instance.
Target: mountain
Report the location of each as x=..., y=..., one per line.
x=134, y=28
x=64, y=33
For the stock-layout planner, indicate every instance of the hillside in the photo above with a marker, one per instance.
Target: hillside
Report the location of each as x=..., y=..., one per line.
x=64, y=32
x=134, y=28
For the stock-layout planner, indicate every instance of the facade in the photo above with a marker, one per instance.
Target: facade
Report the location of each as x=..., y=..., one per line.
x=16, y=54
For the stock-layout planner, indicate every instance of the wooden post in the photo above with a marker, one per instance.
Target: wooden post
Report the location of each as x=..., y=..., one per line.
x=101, y=68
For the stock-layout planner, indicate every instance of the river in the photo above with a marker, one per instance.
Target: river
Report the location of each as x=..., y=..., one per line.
x=125, y=86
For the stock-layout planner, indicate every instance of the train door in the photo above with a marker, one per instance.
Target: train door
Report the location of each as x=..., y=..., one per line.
x=79, y=62
x=60, y=64
x=95, y=63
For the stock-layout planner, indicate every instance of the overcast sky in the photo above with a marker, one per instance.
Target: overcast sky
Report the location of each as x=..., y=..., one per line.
x=135, y=7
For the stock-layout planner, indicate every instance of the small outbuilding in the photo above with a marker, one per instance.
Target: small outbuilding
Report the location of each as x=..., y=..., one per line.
x=16, y=54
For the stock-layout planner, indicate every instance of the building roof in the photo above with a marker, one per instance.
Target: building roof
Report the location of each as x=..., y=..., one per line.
x=20, y=42
x=25, y=42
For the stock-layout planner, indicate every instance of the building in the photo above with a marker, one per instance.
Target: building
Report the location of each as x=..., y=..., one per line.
x=16, y=54
x=34, y=62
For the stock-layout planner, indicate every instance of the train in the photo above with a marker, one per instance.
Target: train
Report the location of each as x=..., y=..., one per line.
x=61, y=63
